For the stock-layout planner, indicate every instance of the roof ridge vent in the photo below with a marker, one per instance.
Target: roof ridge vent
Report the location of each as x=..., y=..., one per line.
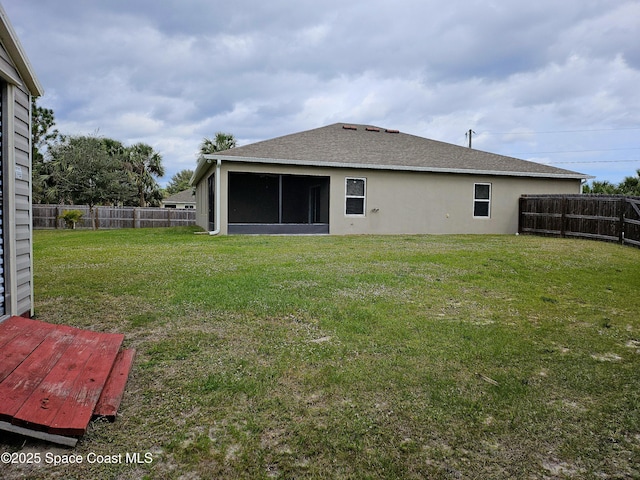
x=349, y=127
x=372, y=129
x=389, y=130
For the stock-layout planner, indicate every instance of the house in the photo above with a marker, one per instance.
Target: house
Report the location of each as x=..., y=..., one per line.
x=361, y=179
x=182, y=200
x=18, y=84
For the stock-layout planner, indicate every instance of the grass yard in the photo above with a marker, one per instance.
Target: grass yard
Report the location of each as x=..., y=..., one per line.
x=354, y=357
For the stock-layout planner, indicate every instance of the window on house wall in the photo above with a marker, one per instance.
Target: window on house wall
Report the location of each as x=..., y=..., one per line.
x=481, y=200
x=356, y=189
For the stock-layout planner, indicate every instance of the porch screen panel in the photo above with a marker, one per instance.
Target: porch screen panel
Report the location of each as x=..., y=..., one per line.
x=254, y=198
x=2, y=284
x=305, y=199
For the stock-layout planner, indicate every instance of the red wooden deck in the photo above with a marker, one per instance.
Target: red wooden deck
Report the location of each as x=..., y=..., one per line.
x=54, y=378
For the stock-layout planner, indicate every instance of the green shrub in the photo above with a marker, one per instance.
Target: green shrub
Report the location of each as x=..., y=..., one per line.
x=71, y=217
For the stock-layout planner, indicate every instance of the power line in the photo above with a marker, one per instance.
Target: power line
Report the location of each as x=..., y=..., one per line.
x=599, y=161
x=563, y=131
x=577, y=151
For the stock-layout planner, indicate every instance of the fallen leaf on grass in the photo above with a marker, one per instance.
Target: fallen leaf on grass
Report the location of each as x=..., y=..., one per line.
x=487, y=379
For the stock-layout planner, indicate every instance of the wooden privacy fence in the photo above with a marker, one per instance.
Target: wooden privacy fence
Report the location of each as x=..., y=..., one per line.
x=48, y=216
x=612, y=218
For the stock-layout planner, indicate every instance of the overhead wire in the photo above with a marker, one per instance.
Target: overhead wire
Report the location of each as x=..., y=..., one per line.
x=563, y=131
x=573, y=151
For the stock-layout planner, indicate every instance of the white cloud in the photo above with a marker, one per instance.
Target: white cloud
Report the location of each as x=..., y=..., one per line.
x=169, y=73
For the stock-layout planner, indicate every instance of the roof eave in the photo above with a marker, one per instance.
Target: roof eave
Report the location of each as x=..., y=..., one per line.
x=201, y=168
x=405, y=168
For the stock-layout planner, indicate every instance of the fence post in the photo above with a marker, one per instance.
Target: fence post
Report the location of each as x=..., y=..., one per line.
x=563, y=216
x=623, y=206
x=520, y=208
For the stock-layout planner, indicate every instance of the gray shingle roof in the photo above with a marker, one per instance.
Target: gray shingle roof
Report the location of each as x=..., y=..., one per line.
x=185, y=196
x=366, y=146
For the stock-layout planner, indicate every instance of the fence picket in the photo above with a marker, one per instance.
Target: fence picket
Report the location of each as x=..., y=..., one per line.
x=48, y=217
x=613, y=218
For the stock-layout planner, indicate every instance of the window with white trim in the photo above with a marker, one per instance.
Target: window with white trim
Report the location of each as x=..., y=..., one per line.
x=481, y=200
x=355, y=197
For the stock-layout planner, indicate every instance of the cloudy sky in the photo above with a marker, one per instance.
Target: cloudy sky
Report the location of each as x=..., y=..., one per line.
x=549, y=81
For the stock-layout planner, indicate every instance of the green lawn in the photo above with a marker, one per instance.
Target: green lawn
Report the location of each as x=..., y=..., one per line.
x=355, y=357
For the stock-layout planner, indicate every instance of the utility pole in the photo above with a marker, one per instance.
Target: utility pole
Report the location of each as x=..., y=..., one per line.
x=469, y=134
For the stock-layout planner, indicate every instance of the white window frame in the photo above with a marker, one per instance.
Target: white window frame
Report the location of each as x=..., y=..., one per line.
x=363, y=197
x=481, y=200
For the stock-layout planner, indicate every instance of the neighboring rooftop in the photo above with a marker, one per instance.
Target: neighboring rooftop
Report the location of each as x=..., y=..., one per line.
x=368, y=146
x=185, y=196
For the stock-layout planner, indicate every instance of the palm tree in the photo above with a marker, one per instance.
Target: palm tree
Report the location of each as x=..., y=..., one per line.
x=602, y=187
x=143, y=165
x=630, y=185
x=222, y=141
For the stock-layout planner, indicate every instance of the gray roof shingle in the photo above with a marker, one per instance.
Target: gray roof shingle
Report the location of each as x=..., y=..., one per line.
x=185, y=196
x=366, y=146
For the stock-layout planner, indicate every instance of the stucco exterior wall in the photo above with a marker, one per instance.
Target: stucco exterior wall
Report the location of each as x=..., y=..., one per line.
x=401, y=202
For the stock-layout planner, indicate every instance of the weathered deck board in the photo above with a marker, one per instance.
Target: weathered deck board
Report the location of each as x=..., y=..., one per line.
x=113, y=391
x=52, y=377
x=47, y=437
x=77, y=410
x=19, y=345
x=23, y=380
x=42, y=406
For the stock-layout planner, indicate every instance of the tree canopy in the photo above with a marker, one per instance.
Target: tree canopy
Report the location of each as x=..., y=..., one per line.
x=42, y=136
x=91, y=170
x=179, y=182
x=629, y=186
x=81, y=170
x=221, y=141
x=143, y=165
x=100, y=171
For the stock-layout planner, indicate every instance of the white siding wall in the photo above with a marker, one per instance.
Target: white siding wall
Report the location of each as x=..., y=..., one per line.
x=17, y=191
x=22, y=201
x=7, y=68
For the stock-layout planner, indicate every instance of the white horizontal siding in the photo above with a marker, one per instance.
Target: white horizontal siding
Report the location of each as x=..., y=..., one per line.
x=7, y=68
x=16, y=162
x=22, y=144
x=22, y=189
x=22, y=232
x=23, y=100
x=17, y=185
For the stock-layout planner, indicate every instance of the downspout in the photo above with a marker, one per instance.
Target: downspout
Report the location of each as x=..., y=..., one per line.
x=218, y=209
x=217, y=187
x=583, y=182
